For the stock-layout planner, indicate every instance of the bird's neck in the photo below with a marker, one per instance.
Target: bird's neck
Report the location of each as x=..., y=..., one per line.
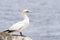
x=25, y=16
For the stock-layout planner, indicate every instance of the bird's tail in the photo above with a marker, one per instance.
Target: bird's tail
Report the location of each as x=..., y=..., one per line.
x=8, y=31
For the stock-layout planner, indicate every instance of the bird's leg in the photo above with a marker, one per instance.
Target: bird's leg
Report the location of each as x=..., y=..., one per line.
x=21, y=33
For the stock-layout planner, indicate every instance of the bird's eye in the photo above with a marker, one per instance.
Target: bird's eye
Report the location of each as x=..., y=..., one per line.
x=27, y=11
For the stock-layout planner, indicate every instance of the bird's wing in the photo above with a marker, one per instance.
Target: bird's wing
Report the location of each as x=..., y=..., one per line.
x=17, y=26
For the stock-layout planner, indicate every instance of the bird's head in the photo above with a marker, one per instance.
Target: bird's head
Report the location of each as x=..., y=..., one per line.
x=26, y=11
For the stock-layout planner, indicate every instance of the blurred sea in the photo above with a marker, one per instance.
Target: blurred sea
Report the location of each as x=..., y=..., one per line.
x=44, y=19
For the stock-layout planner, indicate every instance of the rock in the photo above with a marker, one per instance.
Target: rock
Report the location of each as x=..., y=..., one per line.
x=7, y=36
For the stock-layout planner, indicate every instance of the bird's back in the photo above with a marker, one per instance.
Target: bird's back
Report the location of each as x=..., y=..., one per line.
x=19, y=25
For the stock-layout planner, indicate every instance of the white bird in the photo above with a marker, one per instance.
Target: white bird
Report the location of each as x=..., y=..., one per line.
x=19, y=26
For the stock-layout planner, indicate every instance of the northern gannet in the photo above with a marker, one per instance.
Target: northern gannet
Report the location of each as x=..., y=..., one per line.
x=19, y=26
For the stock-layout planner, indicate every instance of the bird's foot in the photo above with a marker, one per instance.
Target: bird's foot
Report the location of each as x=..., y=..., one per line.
x=22, y=35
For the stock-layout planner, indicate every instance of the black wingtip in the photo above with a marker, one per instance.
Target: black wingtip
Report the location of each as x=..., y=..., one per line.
x=6, y=31
x=9, y=31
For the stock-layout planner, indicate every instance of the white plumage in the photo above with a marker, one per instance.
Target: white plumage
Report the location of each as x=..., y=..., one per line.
x=19, y=26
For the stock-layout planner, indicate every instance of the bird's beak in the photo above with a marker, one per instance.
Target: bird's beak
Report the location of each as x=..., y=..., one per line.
x=29, y=11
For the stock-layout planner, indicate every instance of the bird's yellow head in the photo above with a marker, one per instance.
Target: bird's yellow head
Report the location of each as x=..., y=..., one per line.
x=25, y=11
